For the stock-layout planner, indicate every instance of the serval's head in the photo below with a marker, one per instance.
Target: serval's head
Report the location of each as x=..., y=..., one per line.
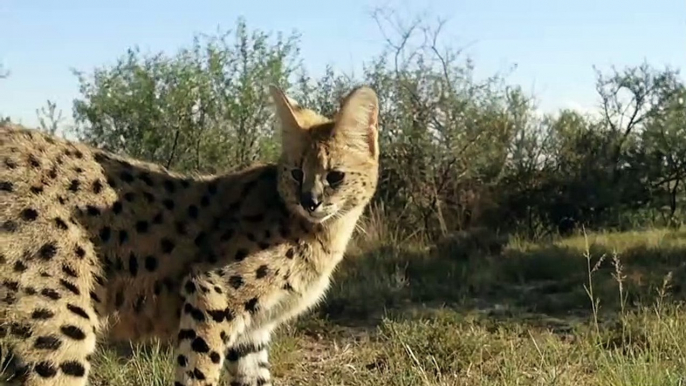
x=328, y=167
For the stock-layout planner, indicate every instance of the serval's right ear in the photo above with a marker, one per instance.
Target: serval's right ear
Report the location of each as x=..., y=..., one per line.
x=286, y=111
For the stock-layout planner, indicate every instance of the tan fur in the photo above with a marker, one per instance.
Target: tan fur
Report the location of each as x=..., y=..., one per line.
x=92, y=244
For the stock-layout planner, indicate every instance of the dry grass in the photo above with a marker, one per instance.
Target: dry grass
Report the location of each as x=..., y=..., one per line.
x=603, y=309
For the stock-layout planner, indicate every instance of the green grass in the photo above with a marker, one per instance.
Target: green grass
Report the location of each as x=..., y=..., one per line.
x=602, y=309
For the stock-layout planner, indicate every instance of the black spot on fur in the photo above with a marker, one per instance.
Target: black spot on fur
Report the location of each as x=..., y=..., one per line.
x=29, y=214
x=123, y=236
x=193, y=211
x=117, y=207
x=290, y=253
x=70, y=287
x=288, y=287
x=139, y=303
x=251, y=305
x=10, y=163
x=145, y=177
x=212, y=188
x=150, y=263
x=232, y=355
x=133, y=264
x=180, y=228
x=142, y=226
x=6, y=186
x=200, y=239
x=80, y=252
x=129, y=196
x=48, y=250
x=169, y=284
x=74, y=186
x=169, y=186
x=157, y=288
x=241, y=254
x=198, y=374
x=182, y=360
x=69, y=271
x=205, y=201
x=227, y=235
x=73, y=332
x=119, y=299
x=78, y=311
x=215, y=357
x=158, y=219
x=199, y=345
x=254, y=218
x=50, y=294
x=36, y=189
x=45, y=370
x=105, y=234
x=186, y=334
x=19, y=266
x=48, y=342
x=149, y=197
x=97, y=186
x=247, y=188
x=20, y=330
x=126, y=176
x=236, y=281
x=60, y=224
x=211, y=257
x=11, y=285
x=194, y=312
x=73, y=368
x=217, y=315
x=189, y=287
x=168, y=203
x=10, y=226
x=166, y=245
x=42, y=314
x=10, y=298
x=262, y=271
x=33, y=161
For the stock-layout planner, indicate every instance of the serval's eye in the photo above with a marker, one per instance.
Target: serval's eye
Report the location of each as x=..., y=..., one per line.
x=297, y=175
x=334, y=177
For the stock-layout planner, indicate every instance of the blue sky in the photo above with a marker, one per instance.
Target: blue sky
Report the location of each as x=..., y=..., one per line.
x=554, y=43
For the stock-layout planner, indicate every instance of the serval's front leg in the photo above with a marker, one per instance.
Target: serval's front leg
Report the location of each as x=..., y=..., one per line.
x=207, y=327
x=247, y=360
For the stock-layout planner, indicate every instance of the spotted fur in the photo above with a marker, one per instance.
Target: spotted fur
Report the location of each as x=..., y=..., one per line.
x=93, y=244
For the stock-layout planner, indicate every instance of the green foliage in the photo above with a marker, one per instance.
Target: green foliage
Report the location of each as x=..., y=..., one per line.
x=205, y=108
x=458, y=151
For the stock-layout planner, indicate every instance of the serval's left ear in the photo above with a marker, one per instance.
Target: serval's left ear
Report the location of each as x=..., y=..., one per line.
x=358, y=119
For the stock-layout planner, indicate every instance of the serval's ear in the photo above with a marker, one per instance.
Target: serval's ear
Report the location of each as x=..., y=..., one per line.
x=357, y=120
x=286, y=109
